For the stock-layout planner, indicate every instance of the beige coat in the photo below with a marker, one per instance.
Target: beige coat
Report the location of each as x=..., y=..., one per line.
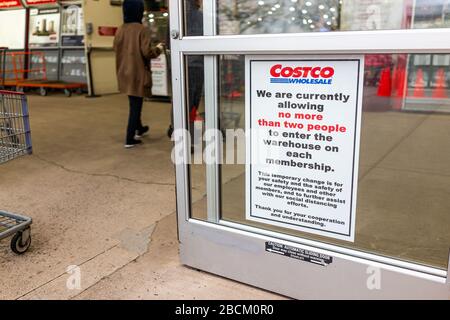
x=133, y=54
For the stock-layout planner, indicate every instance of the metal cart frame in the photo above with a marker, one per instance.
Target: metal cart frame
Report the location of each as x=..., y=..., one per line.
x=15, y=141
x=20, y=227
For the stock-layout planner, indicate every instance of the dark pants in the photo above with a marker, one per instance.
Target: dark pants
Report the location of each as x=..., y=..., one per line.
x=134, y=118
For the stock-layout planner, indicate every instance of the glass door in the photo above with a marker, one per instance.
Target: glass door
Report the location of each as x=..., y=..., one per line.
x=311, y=144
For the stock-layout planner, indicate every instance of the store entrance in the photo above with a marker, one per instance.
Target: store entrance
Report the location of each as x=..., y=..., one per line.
x=94, y=204
x=288, y=214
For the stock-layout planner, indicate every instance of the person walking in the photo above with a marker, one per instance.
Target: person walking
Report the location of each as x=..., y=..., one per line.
x=132, y=45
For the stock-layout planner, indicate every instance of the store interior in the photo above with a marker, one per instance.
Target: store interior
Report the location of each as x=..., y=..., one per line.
x=91, y=200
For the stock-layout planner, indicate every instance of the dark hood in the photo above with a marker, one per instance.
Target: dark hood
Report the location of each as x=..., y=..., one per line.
x=133, y=11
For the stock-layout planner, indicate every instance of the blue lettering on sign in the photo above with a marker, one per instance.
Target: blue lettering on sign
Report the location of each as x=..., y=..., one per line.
x=300, y=81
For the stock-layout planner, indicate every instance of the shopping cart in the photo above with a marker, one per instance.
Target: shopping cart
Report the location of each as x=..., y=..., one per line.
x=28, y=70
x=15, y=141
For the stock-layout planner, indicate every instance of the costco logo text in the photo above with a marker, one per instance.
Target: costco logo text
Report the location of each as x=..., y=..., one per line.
x=301, y=75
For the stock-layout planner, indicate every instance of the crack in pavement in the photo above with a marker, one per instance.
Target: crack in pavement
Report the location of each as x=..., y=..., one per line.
x=101, y=174
x=62, y=274
x=153, y=228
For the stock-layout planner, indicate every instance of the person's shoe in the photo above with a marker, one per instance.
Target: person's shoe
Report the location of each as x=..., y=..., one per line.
x=142, y=132
x=132, y=143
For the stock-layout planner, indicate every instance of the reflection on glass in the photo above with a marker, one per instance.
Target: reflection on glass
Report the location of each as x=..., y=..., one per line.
x=158, y=23
x=232, y=124
x=294, y=16
x=195, y=92
x=431, y=14
x=274, y=16
x=403, y=205
x=193, y=17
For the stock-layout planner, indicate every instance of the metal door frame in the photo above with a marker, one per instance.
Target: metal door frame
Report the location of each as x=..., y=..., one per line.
x=238, y=251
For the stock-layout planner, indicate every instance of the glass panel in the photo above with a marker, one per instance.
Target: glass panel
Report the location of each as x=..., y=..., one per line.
x=403, y=207
x=232, y=123
x=73, y=66
x=195, y=101
x=158, y=22
x=294, y=16
x=193, y=18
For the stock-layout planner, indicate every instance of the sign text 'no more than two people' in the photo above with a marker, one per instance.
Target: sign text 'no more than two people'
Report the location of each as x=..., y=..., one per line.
x=302, y=151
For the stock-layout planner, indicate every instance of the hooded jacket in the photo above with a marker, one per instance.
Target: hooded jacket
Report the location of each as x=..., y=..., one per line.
x=132, y=45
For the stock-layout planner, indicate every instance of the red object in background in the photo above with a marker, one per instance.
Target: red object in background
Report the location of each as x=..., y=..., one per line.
x=18, y=70
x=107, y=31
x=440, y=91
x=4, y=4
x=401, y=81
x=39, y=2
x=194, y=116
x=398, y=87
x=395, y=75
x=384, y=87
x=419, y=85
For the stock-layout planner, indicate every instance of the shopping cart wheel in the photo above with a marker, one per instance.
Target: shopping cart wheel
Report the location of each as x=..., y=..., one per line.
x=67, y=92
x=21, y=241
x=43, y=91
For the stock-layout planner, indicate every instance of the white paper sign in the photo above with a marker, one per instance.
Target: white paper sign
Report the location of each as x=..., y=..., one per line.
x=12, y=29
x=159, y=76
x=303, y=117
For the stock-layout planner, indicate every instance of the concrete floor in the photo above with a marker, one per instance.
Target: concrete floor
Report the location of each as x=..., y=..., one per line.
x=95, y=205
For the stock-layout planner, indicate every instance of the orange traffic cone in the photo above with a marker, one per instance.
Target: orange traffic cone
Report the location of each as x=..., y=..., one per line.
x=384, y=87
x=440, y=91
x=419, y=85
